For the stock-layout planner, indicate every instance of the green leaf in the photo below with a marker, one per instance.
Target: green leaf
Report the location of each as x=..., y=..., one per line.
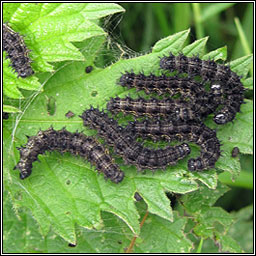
x=199, y=204
x=208, y=177
x=90, y=48
x=151, y=189
x=55, y=198
x=242, y=229
x=8, y=10
x=171, y=43
x=11, y=83
x=244, y=180
x=48, y=29
x=68, y=85
x=208, y=217
x=203, y=198
x=161, y=236
x=21, y=235
x=12, y=92
x=96, y=10
x=196, y=48
x=218, y=54
x=154, y=196
x=237, y=134
x=248, y=83
x=229, y=245
x=63, y=190
x=214, y=9
x=242, y=65
x=52, y=42
x=20, y=230
x=10, y=109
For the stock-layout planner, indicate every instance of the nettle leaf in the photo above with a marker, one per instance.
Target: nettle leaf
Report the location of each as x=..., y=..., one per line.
x=242, y=65
x=196, y=47
x=248, y=83
x=20, y=232
x=160, y=236
x=207, y=221
x=210, y=222
x=171, y=43
x=10, y=109
x=48, y=30
x=218, y=54
x=242, y=228
x=229, y=245
x=64, y=190
x=238, y=133
x=238, y=239
x=11, y=83
x=203, y=198
x=21, y=235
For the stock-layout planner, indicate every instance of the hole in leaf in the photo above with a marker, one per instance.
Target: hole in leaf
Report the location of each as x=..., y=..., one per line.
x=69, y=114
x=51, y=106
x=94, y=93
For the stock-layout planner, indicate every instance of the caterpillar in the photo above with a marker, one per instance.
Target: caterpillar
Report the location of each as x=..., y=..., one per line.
x=188, y=89
x=65, y=141
x=126, y=145
x=218, y=74
x=17, y=52
x=171, y=108
x=165, y=84
x=192, y=131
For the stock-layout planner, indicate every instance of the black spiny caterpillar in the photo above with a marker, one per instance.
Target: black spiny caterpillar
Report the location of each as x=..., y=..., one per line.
x=64, y=141
x=125, y=143
x=17, y=52
x=218, y=74
x=192, y=131
x=175, y=109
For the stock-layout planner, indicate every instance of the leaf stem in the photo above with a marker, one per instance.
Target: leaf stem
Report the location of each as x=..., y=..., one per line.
x=159, y=11
x=197, y=17
x=199, y=249
x=243, y=39
x=129, y=249
x=242, y=36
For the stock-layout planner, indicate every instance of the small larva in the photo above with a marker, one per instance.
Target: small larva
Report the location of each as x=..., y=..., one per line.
x=64, y=141
x=210, y=70
x=171, y=108
x=162, y=84
x=17, y=52
x=125, y=143
x=191, y=131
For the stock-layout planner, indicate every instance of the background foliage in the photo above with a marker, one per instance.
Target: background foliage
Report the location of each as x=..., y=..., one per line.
x=198, y=221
